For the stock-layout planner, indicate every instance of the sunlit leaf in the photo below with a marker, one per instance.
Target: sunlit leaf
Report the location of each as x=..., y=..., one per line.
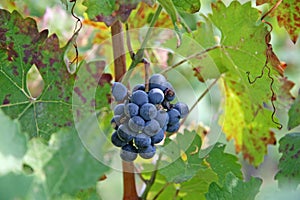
x=222, y=163
x=182, y=166
x=245, y=118
x=23, y=46
x=234, y=188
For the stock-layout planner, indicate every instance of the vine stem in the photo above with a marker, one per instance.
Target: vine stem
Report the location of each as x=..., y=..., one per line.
x=200, y=98
x=151, y=181
x=190, y=57
x=129, y=186
x=138, y=57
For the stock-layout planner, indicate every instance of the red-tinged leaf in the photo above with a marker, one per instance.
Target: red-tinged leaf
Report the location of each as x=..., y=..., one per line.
x=288, y=16
x=22, y=46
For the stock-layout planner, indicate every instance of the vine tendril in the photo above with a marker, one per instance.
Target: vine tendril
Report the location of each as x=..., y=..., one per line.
x=269, y=56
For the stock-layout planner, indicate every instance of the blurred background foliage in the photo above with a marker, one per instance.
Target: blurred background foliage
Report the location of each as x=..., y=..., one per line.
x=93, y=43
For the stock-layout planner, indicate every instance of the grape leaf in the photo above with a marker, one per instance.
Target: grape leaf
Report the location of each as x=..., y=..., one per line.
x=222, y=163
x=184, y=167
x=288, y=175
x=22, y=46
x=95, y=7
x=109, y=11
x=234, y=188
x=78, y=170
x=12, y=145
x=190, y=6
x=197, y=187
x=294, y=113
x=287, y=14
x=242, y=32
x=171, y=10
x=15, y=186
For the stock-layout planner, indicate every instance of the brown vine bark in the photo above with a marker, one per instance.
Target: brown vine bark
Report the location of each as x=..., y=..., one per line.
x=129, y=186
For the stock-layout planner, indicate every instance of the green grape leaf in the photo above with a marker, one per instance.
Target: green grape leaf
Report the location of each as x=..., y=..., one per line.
x=71, y=166
x=197, y=187
x=222, y=163
x=184, y=154
x=287, y=14
x=234, y=188
x=294, y=113
x=15, y=186
x=190, y=6
x=171, y=10
x=95, y=7
x=242, y=32
x=288, y=175
x=21, y=47
x=12, y=144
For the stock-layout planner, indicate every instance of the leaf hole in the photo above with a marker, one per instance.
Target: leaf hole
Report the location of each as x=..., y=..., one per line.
x=35, y=82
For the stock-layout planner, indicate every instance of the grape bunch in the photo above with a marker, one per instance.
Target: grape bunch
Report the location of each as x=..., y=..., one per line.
x=142, y=117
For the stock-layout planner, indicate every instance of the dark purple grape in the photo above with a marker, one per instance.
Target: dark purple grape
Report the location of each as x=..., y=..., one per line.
x=116, y=140
x=148, y=152
x=128, y=153
x=158, y=137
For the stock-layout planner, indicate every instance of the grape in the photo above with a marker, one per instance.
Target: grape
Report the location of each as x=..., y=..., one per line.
x=148, y=152
x=125, y=130
x=157, y=81
x=158, y=137
x=148, y=111
x=119, y=91
x=119, y=109
x=142, y=118
x=156, y=96
x=182, y=108
x=136, y=124
x=116, y=121
x=151, y=127
x=138, y=87
x=128, y=153
x=115, y=139
x=173, y=128
x=162, y=117
x=123, y=133
x=169, y=92
x=142, y=141
x=139, y=97
x=174, y=116
x=131, y=109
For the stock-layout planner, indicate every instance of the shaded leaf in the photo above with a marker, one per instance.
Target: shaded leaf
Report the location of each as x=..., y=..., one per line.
x=15, y=186
x=184, y=155
x=288, y=175
x=287, y=14
x=222, y=163
x=71, y=167
x=294, y=113
x=13, y=145
x=234, y=188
